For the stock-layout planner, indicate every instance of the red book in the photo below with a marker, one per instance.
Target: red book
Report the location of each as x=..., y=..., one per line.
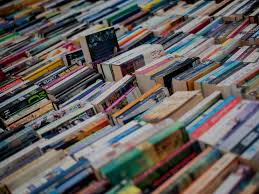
x=2, y=76
x=215, y=118
x=166, y=168
x=9, y=85
x=200, y=26
x=238, y=29
x=11, y=58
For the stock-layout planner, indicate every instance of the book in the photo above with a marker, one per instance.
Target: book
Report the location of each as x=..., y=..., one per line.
x=144, y=152
x=235, y=178
x=196, y=167
x=156, y=175
x=98, y=45
x=211, y=179
x=177, y=102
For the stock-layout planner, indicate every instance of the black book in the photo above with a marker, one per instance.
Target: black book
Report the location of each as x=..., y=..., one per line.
x=99, y=45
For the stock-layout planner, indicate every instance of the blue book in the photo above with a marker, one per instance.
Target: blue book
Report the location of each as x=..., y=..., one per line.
x=213, y=25
x=156, y=96
x=85, y=92
x=197, y=8
x=77, y=179
x=178, y=45
x=210, y=114
x=64, y=176
x=91, y=139
x=123, y=134
x=217, y=72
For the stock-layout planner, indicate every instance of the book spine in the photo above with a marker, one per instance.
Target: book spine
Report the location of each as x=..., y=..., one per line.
x=16, y=106
x=193, y=173
x=211, y=179
x=150, y=152
x=10, y=85
x=80, y=166
x=32, y=116
x=156, y=175
x=215, y=118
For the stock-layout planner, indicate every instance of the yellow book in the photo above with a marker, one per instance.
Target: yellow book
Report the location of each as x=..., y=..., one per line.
x=147, y=6
x=131, y=189
x=43, y=70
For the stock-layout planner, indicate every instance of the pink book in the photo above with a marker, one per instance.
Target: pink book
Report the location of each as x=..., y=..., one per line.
x=151, y=68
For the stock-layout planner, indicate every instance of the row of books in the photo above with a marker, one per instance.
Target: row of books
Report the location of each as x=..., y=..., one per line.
x=163, y=101
x=153, y=147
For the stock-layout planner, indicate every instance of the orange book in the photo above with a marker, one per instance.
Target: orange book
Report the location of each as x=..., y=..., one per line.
x=129, y=38
x=145, y=95
x=188, y=85
x=88, y=130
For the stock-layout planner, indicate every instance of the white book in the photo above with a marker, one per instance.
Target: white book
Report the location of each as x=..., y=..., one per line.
x=201, y=48
x=111, y=90
x=96, y=91
x=111, y=152
x=40, y=179
x=64, y=119
x=207, y=51
x=72, y=130
x=238, y=53
x=234, y=9
x=185, y=39
x=100, y=143
x=223, y=126
x=32, y=169
x=154, y=62
x=184, y=51
x=99, y=158
x=241, y=132
x=246, y=30
x=232, y=180
x=63, y=82
x=226, y=8
x=120, y=57
x=239, y=74
x=188, y=117
x=88, y=88
x=253, y=57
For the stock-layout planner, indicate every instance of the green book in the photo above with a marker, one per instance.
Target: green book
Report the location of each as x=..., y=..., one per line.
x=145, y=155
x=129, y=8
x=195, y=171
x=9, y=36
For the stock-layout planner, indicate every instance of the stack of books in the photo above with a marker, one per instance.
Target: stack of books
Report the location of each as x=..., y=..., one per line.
x=129, y=97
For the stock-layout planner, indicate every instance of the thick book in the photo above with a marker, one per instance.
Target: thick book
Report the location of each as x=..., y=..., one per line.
x=99, y=45
x=173, y=107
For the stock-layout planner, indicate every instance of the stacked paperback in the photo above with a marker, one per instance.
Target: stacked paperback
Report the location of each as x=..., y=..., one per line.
x=129, y=97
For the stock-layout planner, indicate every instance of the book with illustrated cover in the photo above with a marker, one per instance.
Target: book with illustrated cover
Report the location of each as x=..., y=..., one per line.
x=98, y=45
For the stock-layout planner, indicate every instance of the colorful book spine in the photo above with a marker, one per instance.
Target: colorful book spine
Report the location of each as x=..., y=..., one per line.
x=215, y=118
